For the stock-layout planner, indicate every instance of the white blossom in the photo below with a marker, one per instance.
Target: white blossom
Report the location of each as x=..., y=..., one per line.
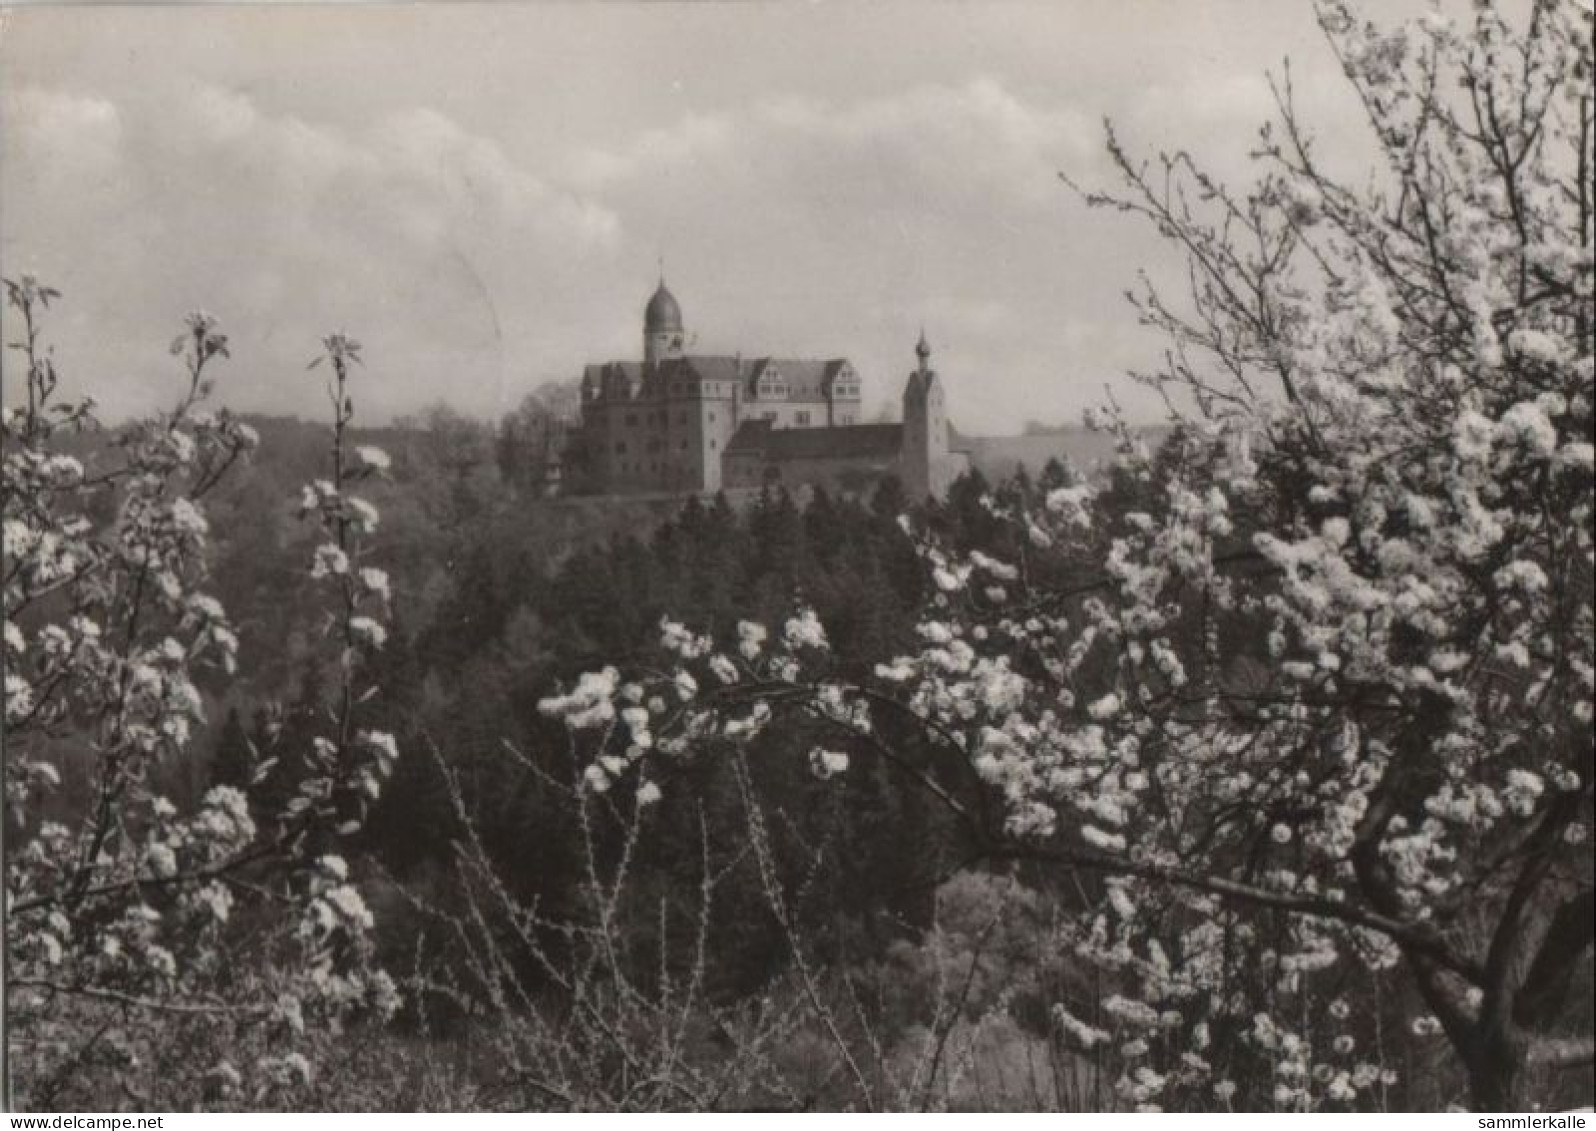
x=827, y=763
x=374, y=458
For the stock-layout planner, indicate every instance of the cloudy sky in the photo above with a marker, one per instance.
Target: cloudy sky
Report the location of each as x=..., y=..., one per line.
x=481, y=192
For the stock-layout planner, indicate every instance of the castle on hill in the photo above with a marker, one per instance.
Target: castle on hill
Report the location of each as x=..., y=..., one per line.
x=680, y=422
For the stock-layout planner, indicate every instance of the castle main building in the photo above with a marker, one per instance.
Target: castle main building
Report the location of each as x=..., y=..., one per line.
x=691, y=422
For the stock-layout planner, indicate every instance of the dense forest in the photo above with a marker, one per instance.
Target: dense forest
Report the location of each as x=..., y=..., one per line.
x=499, y=597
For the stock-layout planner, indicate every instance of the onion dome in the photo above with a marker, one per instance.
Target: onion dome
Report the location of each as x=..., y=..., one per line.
x=663, y=312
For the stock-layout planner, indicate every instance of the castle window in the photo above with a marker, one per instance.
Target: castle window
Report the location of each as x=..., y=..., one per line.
x=803, y=418
x=712, y=445
x=621, y=447
x=712, y=418
x=684, y=445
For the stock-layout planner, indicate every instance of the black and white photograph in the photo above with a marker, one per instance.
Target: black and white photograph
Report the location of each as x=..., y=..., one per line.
x=796, y=556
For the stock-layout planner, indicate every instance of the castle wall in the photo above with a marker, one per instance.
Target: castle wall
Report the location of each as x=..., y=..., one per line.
x=803, y=414
x=944, y=471
x=601, y=439
x=711, y=420
x=670, y=443
x=743, y=470
x=678, y=443
x=840, y=475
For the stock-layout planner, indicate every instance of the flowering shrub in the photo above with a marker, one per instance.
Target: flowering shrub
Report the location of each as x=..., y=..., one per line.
x=1326, y=706
x=133, y=928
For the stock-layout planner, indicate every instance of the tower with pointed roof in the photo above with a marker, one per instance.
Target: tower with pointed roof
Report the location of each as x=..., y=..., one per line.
x=924, y=466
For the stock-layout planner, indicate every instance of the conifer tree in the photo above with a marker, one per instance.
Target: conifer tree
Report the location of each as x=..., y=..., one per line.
x=233, y=763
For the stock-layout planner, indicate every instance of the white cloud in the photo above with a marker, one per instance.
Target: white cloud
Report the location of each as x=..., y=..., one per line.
x=409, y=233
x=427, y=152
x=74, y=137
x=974, y=139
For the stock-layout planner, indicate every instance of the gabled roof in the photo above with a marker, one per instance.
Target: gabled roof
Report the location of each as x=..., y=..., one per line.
x=630, y=369
x=806, y=378
x=853, y=441
x=709, y=367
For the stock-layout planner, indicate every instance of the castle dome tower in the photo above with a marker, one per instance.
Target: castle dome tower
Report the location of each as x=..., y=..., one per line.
x=662, y=326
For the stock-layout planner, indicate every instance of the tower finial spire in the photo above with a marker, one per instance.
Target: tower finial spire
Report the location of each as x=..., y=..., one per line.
x=922, y=348
x=662, y=270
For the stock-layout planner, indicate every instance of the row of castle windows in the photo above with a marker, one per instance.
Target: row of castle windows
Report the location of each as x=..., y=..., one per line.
x=709, y=388
x=766, y=388
x=800, y=418
x=661, y=418
x=779, y=389
x=655, y=445
x=637, y=468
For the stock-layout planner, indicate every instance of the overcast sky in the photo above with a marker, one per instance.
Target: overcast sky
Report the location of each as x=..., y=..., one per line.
x=480, y=193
